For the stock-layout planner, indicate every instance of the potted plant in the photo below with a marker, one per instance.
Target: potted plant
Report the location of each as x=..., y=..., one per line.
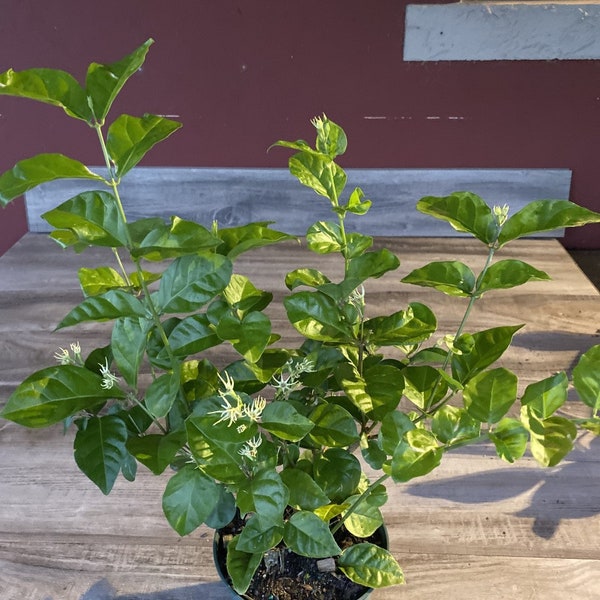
x=277, y=449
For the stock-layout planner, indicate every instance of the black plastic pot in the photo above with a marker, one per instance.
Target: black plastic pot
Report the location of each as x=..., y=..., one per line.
x=219, y=556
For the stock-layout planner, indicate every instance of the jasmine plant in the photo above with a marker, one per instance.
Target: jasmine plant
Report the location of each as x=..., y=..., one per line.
x=298, y=442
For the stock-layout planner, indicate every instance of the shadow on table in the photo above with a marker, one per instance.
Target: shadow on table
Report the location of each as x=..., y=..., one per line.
x=103, y=590
x=557, y=496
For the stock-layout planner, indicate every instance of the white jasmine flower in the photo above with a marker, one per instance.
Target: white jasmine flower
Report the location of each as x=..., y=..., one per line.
x=228, y=383
x=108, y=378
x=76, y=350
x=288, y=380
x=357, y=297
x=250, y=448
x=306, y=365
x=254, y=411
x=233, y=407
x=63, y=356
x=229, y=412
x=501, y=214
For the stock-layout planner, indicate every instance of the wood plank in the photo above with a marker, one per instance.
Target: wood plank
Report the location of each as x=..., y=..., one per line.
x=236, y=196
x=474, y=528
x=502, y=31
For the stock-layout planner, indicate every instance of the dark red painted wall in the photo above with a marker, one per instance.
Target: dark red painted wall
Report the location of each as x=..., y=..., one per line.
x=241, y=75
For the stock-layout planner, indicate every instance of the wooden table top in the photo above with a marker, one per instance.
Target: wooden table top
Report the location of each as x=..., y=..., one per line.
x=476, y=528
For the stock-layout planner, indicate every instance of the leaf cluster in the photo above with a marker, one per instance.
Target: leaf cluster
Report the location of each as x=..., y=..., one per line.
x=279, y=435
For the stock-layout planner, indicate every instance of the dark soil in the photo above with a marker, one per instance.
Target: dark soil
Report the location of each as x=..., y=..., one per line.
x=295, y=577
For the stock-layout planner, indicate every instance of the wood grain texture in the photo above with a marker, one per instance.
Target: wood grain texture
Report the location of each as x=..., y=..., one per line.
x=236, y=196
x=475, y=528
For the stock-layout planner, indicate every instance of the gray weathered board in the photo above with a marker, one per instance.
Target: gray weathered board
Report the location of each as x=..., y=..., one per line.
x=502, y=31
x=237, y=196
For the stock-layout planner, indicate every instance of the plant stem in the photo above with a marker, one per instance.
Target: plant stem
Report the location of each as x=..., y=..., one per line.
x=474, y=297
x=356, y=503
x=114, y=182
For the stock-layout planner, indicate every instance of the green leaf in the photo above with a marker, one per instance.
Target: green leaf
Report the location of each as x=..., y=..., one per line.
x=412, y=326
x=415, y=457
x=373, y=454
x=104, y=82
x=324, y=237
x=111, y=305
x=128, y=343
x=189, y=498
x=317, y=316
x=365, y=519
x=465, y=211
x=451, y=424
x=507, y=274
x=592, y=424
x=337, y=472
x=242, y=295
x=453, y=278
x=129, y=467
x=189, y=282
x=545, y=397
x=551, y=439
x=357, y=244
x=93, y=217
x=284, y=421
x=307, y=535
x=162, y=394
x=309, y=277
x=31, y=172
x=370, y=565
x=50, y=86
x=55, y=393
x=424, y=385
x=586, y=377
x=305, y=493
x=100, y=450
x=130, y=138
x=377, y=392
x=99, y=280
x=490, y=394
x=545, y=215
x=156, y=451
x=224, y=511
x=510, y=439
x=237, y=240
x=393, y=429
x=249, y=335
x=356, y=204
x=241, y=566
x=264, y=494
x=218, y=458
x=260, y=534
x=319, y=173
x=156, y=240
x=333, y=426
x=192, y=335
x=371, y=265
x=488, y=347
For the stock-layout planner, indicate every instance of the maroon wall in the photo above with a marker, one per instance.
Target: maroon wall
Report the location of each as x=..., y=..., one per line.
x=241, y=75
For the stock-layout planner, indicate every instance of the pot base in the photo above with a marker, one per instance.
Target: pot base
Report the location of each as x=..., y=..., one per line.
x=288, y=576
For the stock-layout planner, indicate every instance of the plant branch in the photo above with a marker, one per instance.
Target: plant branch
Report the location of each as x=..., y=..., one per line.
x=357, y=502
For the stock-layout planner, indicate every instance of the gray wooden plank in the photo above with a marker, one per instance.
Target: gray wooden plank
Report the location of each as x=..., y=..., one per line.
x=236, y=196
x=502, y=31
